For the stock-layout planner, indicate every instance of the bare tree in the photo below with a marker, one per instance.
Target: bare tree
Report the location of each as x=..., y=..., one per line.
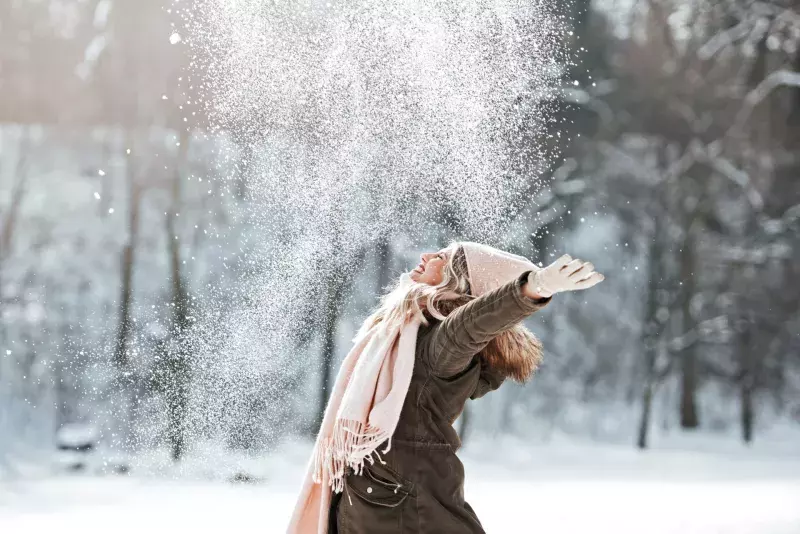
x=178, y=355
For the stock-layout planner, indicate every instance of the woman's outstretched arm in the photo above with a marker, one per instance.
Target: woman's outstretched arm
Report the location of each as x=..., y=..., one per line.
x=469, y=328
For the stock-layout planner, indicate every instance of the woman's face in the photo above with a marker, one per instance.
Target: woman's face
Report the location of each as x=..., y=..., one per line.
x=430, y=268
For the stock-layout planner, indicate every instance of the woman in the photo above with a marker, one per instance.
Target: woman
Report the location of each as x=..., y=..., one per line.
x=449, y=331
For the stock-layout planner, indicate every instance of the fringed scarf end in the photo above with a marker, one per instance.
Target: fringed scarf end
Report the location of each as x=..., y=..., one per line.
x=349, y=446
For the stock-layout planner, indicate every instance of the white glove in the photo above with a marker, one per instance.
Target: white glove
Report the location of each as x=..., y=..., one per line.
x=564, y=274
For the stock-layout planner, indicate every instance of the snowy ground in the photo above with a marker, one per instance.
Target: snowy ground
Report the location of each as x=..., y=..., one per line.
x=555, y=488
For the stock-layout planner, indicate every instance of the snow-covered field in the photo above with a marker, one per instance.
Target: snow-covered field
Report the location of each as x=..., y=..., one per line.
x=554, y=488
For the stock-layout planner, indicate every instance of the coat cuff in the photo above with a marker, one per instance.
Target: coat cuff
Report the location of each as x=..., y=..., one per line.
x=525, y=301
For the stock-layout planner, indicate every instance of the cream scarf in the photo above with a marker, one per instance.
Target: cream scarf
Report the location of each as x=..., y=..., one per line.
x=361, y=414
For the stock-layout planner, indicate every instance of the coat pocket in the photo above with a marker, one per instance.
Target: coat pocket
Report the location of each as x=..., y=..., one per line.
x=380, y=486
x=376, y=501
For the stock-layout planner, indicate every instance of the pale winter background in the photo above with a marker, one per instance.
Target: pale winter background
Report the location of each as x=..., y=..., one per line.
x=201, y=200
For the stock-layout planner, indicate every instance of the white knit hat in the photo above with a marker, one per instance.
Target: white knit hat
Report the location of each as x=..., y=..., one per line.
x=489, y=268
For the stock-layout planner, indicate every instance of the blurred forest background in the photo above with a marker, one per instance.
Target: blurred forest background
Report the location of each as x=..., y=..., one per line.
x=674, y=167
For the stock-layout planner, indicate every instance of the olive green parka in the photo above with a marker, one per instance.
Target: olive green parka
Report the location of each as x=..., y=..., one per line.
x=420, y=488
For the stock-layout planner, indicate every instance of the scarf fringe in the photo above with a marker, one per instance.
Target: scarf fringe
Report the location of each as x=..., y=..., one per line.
x=350, y=445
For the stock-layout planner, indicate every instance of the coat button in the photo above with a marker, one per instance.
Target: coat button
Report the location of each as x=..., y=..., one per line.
x=369, y=489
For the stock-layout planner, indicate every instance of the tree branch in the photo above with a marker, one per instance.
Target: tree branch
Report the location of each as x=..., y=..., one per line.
x=760, y=93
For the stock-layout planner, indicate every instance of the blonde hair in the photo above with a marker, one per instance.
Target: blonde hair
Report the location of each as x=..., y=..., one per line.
x=515, y=353
x=407, y=299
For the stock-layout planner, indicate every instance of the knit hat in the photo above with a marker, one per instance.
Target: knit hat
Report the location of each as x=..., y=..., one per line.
x=489, y=268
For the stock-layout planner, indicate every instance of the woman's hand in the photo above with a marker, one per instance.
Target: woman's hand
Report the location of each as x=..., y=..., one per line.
x=564, y=274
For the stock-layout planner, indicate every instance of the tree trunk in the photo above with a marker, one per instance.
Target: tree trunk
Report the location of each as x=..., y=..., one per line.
x=126, y=285
x=650, y=333
x=689, y=417
x=124, y=328
x=177, y=408
x=689, y=379
x=10, y=220
x=334, y=294
x=748, y=415
x=747, y=381
x=650, y=352
x=177, y=391
x=644, y=420
x=125, y=382
x=336, y=287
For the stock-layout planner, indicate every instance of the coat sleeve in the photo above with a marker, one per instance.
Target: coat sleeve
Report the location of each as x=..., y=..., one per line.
x=469, y=328
x=487, y=381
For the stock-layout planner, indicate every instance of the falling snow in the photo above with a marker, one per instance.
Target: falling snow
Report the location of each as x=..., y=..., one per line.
x=361, y=119
x=194, y=227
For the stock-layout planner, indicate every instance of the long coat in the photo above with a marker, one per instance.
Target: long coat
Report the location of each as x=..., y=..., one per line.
x=420, y=488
